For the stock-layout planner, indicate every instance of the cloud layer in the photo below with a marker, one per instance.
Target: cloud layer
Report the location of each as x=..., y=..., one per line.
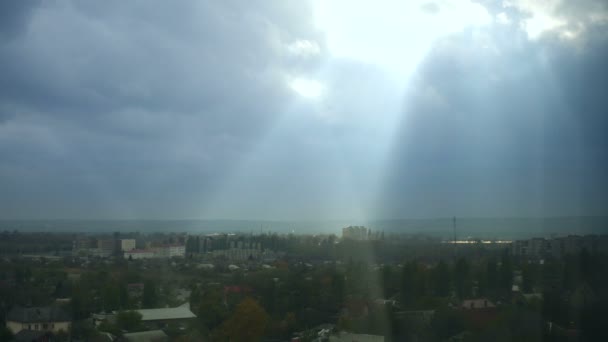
x=174, y=110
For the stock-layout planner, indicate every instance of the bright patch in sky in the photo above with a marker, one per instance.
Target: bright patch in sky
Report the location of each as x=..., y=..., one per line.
x=304, y=48
x=307, y=87
x=393, y=34
x=544, y=16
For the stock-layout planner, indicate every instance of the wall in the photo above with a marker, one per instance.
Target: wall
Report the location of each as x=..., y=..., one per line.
x=16, y=327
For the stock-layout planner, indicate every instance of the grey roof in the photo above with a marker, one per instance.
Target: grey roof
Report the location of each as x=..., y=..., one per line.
x=38, y=315
x=180, y=312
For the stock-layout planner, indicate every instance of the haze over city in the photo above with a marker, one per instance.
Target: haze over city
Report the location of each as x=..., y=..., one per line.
x=302, y=110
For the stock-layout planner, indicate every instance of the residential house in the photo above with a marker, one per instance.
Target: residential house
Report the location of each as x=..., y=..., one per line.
x=49, y=319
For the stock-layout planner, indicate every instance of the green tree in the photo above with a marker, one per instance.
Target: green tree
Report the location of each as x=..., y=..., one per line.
x=210, y=308
x=82, y=330
x=506, y=273
x=150, y=296
x=408, y=283
x=128, y=320
x=5, y=334
x=110, y=297
x=492, y=276
x=462, y=278
x=447, y=323
x=441, y=279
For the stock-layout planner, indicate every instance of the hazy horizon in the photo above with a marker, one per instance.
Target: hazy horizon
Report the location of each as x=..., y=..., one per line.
x=485, y=228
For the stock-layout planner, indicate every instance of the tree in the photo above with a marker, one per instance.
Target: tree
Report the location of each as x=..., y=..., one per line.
x=211, y=310
x=5, y=334
x=149, y=297
x=447, y=323
x=110, y=296
x=248, y=323
x=442, y=279
x=82, y=330
x=128, y=320
x=462, y=278
x=491, y=276
x=506, y=273
x=413, y=283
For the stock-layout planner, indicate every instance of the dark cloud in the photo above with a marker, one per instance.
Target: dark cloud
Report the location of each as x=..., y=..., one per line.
x=130, y=99
x=503, y=125
x=184, y=109
x=14, y=17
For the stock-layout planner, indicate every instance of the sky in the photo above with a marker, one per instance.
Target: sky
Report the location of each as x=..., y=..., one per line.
x=303, y=109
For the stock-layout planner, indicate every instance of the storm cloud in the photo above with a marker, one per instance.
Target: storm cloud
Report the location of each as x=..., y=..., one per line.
x=236, y=109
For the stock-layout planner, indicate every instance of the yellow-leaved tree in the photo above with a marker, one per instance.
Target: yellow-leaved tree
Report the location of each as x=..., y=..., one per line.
x=247, y=323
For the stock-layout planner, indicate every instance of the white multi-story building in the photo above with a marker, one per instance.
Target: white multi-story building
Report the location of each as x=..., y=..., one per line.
x=170, y=251
x=176, y=250
x=237, y=254
x=127, y=245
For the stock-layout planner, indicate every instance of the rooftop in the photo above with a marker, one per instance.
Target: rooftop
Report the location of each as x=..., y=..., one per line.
x=180, y=312
x=144, y=336
x=37, y=314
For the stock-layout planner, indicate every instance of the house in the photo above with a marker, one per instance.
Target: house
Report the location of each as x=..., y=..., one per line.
x=49, y=319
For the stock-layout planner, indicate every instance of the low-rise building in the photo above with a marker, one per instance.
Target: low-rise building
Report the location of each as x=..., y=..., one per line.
x=106, y=246
x=162, y=316
x=49, y=319
x=137, y=254
x=539, y=248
